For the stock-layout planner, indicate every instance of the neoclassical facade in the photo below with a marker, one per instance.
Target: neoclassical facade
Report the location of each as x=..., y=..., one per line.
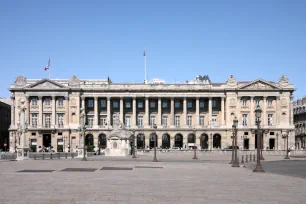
x=299, y=112
x=197, y=112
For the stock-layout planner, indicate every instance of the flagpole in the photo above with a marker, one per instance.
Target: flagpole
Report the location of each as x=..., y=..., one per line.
x=145, y=67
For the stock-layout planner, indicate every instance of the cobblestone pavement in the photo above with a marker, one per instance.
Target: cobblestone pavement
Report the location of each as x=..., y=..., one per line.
x=207, y=180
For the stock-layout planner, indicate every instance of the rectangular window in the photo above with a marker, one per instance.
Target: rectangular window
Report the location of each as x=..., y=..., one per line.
x=270, y=119
x=127, y=104
x=140, y=121
x=34, y=120
x=270, y=102
x=202, y=104
x=189, y=104
x=115, y=104
x=34, y=101
x=244, y=101
x=244, y=120
x=165, y=104
x=103, y=120
x=60, y=101
x=90, y=103
x=189, y=121
x=47, y=120
x=152, y=104
x=152, y=121
x=60, y=120
x=177, y=121
x=103, y=103
x=90, y=120
x=214, y=121
x=202, y=120
x=165, y=121
x=47, y=101
x=177, y=104
x=257, y=102
x=214, y=103
x=127, y=121
x=140, y=104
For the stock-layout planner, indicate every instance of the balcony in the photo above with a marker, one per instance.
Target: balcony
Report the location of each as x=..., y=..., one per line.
x=60, y=126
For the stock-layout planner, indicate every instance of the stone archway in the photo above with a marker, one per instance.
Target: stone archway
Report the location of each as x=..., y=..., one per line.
x=166, y=141
x=102, y=141
x=89, y=139
x=204, y=141
x=217, y=141
x=141, y=141
x=178, y=140
x=152, y=138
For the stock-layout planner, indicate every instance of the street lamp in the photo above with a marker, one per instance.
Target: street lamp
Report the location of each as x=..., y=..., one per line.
x=83, y=130
x=235, y=124
x=194, y=146
x=262, y=144
x=155, y=138
x=134, y=146
x=258, y=167
x=286, y=135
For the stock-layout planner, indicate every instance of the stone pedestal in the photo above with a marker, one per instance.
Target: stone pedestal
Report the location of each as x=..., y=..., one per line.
x=22, y=153
x=81, y=152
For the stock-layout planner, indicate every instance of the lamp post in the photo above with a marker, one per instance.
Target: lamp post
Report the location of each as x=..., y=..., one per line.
x=211, y=142
x=155, y=138
x=287, y=149
x=83, y=130
x=235, y=124
x=258, y=167
x=194, y=146
x=261, y=144
x=232, y=161
x=134, y=146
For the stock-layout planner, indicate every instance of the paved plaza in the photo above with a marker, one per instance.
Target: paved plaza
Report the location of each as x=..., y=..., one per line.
x=175, y=179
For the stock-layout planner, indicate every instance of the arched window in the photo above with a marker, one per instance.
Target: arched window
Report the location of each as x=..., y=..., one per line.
x=140, y=141
x=217, y=141
x=166, y=141
x=178, y=140
x=102, y=141
x=204, y=141
x=89, y=140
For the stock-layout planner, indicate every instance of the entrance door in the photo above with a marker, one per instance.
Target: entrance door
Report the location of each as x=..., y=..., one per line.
x=47, y=140
x=271, y=143
x=246, y=143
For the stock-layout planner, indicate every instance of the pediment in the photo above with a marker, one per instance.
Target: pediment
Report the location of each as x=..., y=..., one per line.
x=259, y=85
x=46, y=84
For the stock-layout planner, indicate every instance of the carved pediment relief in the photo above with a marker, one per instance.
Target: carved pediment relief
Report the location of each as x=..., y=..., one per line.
x=46, y=84
x=259, y=85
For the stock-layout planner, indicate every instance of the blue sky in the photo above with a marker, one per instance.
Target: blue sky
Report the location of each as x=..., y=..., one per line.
x=183, y=39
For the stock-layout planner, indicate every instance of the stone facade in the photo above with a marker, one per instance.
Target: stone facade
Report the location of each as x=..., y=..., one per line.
x=299, y=112
x=197, y=112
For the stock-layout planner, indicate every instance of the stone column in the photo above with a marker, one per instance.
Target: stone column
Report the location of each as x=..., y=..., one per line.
x=264, y=112
x=172, y=113
x=222, y=111
x=96, y=114
x=209, y=111
x=197, y=111
x=53, y=122
x=134, y=121
x=108, y=112
x=121, y=111
x=185, y=113
x=66, y=120
x=291, y=111
x=277, y=116
x=146, y=115
x=13, y=112
x=252, y=118
x=40, y=119
x=159, y=113
x=83, y=102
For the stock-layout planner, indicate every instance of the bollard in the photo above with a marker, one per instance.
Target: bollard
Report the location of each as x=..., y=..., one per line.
x=254, y=157
x=66, y=156
x=246, y=158
x=59, y=155
x=43, y=157
x=242, y=162
x=51, y=156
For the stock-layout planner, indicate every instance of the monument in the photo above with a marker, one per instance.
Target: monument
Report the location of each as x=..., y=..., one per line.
x=22, y=149
x=118, y=143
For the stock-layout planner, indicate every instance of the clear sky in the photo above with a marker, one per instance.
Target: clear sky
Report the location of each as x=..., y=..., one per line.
x=183, y=39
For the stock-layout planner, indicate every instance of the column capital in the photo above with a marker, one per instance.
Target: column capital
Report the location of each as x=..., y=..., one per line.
x=277, y=97
x=26, y=96
x=40, y=97
x=53, y=97
x=83, y=97
x=264, y=97
x=222, y=98
x=252, y=97
x=66, y=97
x=96, y=98
x=108, y=98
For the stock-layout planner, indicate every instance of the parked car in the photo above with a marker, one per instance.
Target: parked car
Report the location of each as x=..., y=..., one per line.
x=229, y=148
